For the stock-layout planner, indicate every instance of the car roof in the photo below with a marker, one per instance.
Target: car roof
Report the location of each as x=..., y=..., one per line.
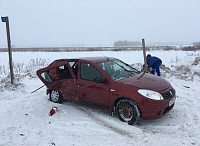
x=91, y=59
x=97, y=59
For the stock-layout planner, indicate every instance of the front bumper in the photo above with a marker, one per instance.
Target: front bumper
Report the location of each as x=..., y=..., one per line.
x=153, y=109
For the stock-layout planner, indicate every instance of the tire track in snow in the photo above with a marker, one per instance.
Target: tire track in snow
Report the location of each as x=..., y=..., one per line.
x=101, y=118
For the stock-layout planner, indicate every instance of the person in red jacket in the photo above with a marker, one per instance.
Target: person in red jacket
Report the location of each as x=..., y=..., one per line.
x=155, y=63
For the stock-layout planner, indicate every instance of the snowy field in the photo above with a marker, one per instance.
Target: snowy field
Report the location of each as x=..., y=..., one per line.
x=25, y=120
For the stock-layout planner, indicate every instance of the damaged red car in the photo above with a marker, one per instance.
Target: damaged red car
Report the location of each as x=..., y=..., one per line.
x=110, y=84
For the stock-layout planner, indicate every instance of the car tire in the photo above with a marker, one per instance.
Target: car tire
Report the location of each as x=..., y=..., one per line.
x=128, y=111
x=56, y=96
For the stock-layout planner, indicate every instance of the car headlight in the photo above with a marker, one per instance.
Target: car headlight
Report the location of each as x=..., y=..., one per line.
x=150, y=94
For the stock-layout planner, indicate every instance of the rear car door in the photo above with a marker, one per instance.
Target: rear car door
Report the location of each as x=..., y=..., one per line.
x=91, y=91
x=60, y=76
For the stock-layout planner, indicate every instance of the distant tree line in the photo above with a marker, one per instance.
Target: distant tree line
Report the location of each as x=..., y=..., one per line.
x=126, y=43
x=196, y=44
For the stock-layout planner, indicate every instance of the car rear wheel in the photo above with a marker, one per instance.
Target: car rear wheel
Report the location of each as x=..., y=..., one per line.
x=56, y=96
x=127, y=111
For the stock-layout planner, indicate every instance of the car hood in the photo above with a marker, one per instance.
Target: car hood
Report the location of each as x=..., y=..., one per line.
x=147, y=81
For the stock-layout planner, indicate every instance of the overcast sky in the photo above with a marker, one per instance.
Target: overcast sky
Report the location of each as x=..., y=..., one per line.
x=56, y=23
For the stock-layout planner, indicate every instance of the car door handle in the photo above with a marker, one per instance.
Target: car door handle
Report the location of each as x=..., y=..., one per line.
x=80, y=84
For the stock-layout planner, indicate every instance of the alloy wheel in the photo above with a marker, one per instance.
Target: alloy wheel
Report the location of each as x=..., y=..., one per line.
x=125, y=112
x=55, y=96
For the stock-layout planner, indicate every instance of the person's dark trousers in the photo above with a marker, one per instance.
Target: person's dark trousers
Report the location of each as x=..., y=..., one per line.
x=157, y=67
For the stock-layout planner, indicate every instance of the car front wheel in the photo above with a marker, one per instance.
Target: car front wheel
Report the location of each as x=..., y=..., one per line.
x=127, y=111
x=56, y=96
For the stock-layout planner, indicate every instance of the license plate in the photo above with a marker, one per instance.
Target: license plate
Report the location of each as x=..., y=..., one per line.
x=172, y=101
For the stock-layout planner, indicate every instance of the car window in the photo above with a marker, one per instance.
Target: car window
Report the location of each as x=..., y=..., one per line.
x=59, y=73
x=46, y=77
x=117, y=70
x=89, y=72
x=51, y=75
x=64, y=72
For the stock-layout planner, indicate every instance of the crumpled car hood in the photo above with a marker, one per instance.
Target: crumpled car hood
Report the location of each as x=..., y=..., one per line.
x=147, y=81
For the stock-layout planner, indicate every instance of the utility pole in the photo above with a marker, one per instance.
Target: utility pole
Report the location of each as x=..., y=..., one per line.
x=5, y=19
x=144, y=54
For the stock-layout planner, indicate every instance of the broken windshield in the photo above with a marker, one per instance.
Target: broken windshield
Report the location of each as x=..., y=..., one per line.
x=117, y=70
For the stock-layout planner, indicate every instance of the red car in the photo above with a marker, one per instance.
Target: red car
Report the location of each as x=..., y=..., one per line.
x=109, y=84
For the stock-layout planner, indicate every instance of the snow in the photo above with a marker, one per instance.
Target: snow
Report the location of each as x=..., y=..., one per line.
x=25, y=117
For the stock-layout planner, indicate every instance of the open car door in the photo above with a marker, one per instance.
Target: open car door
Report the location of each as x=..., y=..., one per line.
x=59, y=76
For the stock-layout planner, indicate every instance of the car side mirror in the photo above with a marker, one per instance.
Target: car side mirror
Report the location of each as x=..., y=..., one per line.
x=101, y=80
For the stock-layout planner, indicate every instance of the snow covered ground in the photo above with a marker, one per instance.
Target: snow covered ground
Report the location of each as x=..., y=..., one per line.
x=25, y=120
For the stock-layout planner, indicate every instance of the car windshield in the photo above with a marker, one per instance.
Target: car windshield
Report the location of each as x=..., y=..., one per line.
x=118, y=70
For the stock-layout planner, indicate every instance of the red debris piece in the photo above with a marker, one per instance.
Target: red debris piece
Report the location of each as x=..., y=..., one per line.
x=52, y=111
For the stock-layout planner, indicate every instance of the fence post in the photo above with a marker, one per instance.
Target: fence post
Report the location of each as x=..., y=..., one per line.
x=144, y=54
